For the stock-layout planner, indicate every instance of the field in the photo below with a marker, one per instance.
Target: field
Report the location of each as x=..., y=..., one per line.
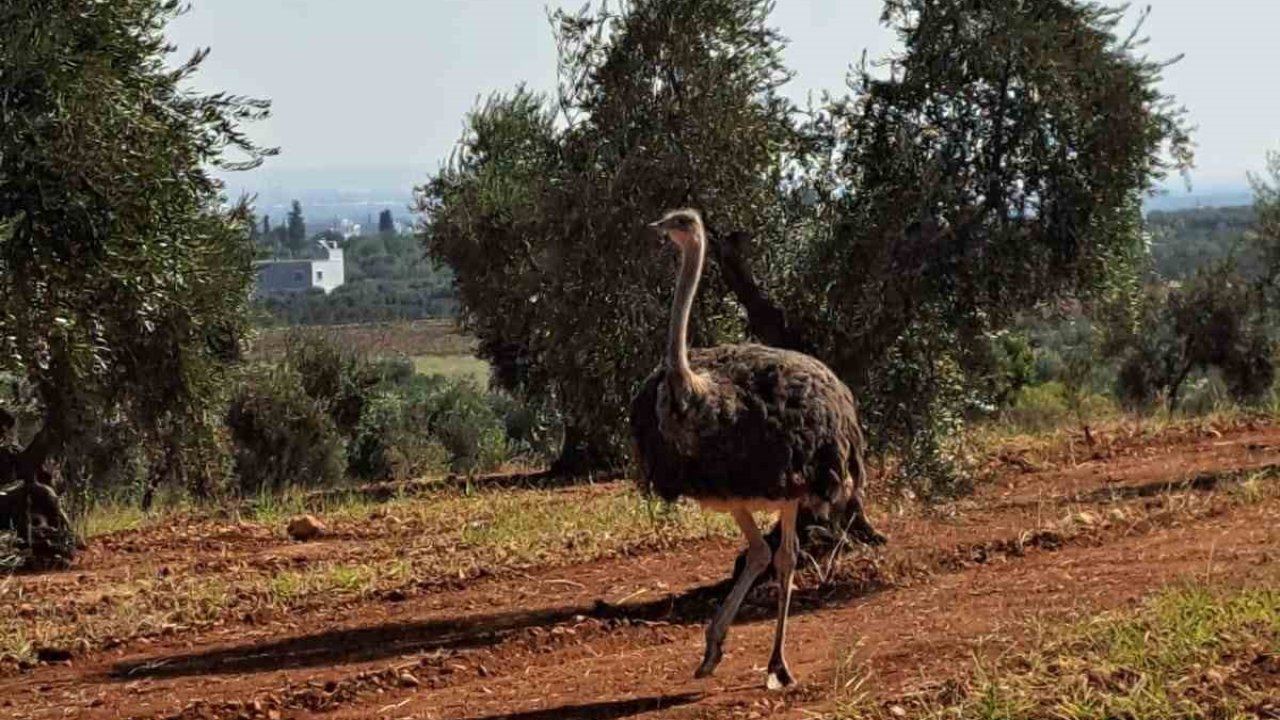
x=1134, y=576
x=435, y=346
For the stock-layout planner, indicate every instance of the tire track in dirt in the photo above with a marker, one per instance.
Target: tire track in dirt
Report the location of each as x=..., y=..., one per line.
x=529, y=643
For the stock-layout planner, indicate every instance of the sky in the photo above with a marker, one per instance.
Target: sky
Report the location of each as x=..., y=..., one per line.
x=372, y=94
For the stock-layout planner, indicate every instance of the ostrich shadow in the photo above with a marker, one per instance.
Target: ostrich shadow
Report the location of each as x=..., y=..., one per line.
x=604, y=710
x=376, y=642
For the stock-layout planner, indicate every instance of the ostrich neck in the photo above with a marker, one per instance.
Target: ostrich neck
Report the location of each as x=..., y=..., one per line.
x=686, y=287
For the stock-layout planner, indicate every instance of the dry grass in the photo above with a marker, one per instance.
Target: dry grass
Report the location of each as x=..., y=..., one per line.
x=1069, y=443
x=405, y=545
x=1189, y=652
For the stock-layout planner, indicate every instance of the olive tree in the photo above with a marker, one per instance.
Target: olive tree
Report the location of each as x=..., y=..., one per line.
x=124, y=274
x=996, y=162
x=542, y=223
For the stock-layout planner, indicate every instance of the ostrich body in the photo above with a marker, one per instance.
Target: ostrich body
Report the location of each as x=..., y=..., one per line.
x=742, y=428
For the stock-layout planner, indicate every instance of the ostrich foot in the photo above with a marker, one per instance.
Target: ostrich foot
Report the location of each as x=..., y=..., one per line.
x=709, y=661
x=779, y=676
x=863, y=532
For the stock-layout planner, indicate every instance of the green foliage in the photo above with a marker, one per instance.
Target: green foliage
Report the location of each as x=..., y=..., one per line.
x=1212, y=322
x=394, y=423
x=461, y=417
x=1266, y=231
x=337, y=379
x=1185, y=241
x=281, y=438
x=999, y=164
x=388, y=444
x=1001, y=368
x=123, y=280
x=1050, y=405
x=425, y=424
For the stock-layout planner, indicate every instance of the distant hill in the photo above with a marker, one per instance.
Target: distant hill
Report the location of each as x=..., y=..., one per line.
x=1181, y=199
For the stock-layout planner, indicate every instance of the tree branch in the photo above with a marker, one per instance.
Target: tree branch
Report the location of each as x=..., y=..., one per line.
x=766, y=321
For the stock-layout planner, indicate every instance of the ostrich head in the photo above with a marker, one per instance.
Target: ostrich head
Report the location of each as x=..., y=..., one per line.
x=682, y=227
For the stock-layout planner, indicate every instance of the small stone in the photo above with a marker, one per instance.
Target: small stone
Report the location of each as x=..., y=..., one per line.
x=306, y=527
x=407, y=680
x=897, y=711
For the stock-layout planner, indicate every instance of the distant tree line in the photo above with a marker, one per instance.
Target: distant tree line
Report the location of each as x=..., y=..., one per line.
x=1184, y=241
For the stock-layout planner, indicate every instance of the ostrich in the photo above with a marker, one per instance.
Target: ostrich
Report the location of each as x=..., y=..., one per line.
x=740, y=428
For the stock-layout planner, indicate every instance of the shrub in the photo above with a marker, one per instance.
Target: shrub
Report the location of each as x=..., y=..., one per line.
x=1052, y=404
x=1213, y=322
x=339, y=380
x=428, y=423
x=389, y=445
x=458, y=415
x=280, y=436
x=533, y=429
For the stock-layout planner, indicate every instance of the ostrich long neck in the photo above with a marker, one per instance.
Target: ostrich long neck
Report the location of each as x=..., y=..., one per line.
x=686, y=287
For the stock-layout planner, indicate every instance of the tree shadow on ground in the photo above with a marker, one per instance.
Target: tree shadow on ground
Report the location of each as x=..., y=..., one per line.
x=606, y=710
x=375, y=642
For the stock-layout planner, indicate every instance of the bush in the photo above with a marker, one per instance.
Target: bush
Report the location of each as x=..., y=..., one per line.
x=534, y=430
x=459, y=415
x=1216, y=321
x=389, y=445
x=339, y=380
x=422, y=424
x=281, y=437
x=1053, y=404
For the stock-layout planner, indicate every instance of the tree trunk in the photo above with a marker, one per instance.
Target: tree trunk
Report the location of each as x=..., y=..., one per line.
x=581, y=455
x=1176, y=387
x=766, y=321
x=32, y=509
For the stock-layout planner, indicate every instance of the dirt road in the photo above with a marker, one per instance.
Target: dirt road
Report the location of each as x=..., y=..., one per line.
x=620, y=638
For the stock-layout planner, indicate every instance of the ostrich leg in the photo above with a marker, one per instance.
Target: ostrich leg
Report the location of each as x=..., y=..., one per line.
x=757, y=560
x=784, y=564
x=849, y=518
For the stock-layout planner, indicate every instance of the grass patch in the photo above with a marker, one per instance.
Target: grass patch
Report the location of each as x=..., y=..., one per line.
x=1189, y=652
x=104, y=518
x=999, y=441
x=453, y=367
x=538, y=525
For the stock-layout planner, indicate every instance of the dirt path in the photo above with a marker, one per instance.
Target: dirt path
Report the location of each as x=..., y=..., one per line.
x=620, y=638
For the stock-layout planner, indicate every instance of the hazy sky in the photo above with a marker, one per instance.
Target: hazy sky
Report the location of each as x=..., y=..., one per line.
x=379, y=87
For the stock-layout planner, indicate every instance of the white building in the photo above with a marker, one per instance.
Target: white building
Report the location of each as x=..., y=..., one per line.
x=326, y=271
